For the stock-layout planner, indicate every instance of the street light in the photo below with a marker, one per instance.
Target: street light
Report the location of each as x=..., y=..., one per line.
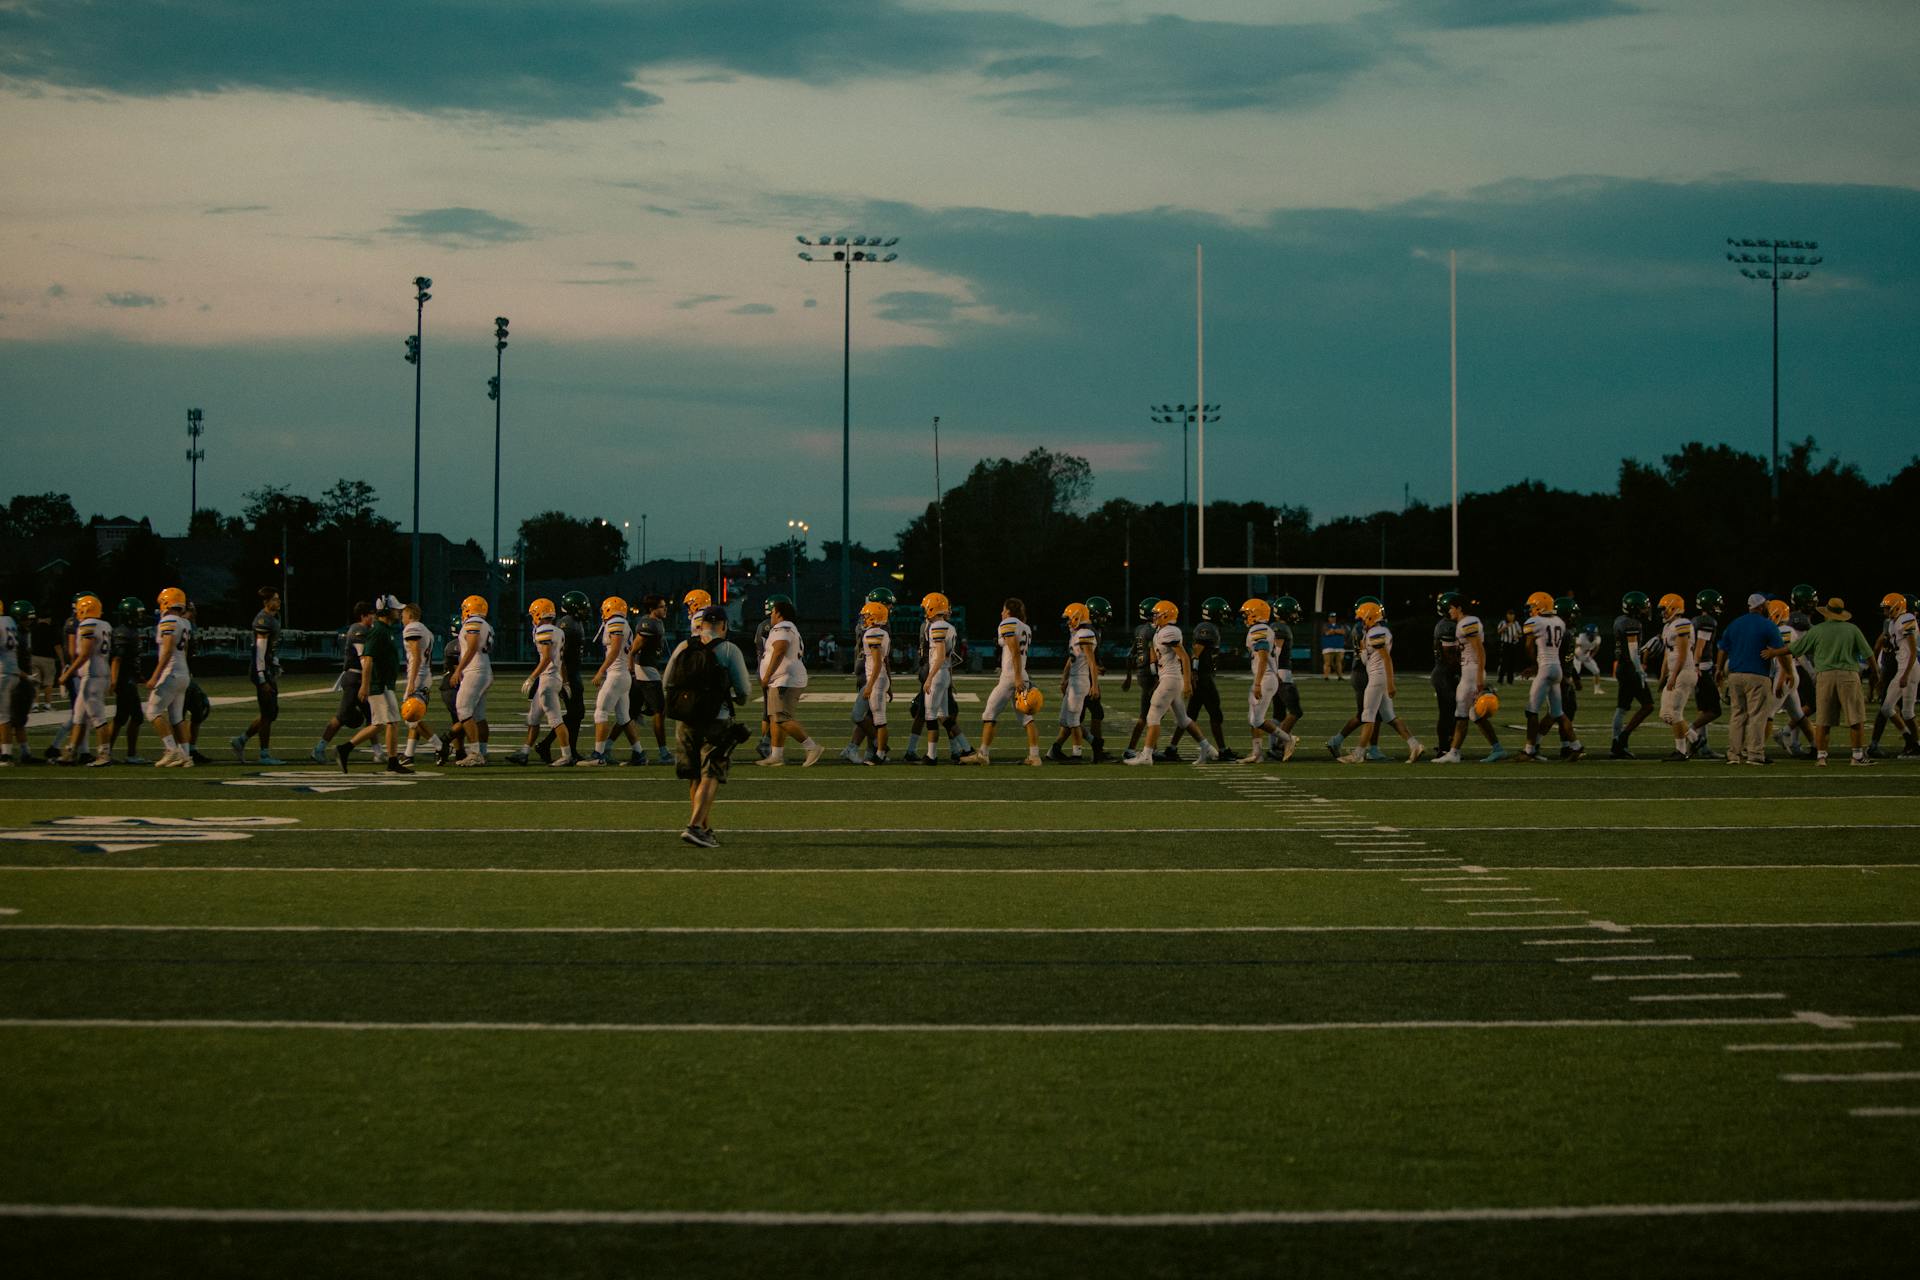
x=1186, y=415
x=1763, y=260
x=863, y=249
x=795, y=541
x=493, y=394
x=194, y=454
x=420, y=295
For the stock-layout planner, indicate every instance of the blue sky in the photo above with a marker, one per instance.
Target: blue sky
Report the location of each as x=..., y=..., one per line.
x=223, y=206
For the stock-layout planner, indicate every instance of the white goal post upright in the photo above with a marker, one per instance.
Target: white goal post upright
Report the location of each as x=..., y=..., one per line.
x=1322, y=573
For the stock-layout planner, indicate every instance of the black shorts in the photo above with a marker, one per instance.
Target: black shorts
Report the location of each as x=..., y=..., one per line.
x=266, y=696
x=1706, y=695
x=1630, y=687
x=1288, y=699
x=648, y=699
x=1095, y=711
x=351, y=713
x=1206, y=697
x=1569, y=696
x=127, y=704
x=198, y=708
x=706, y=750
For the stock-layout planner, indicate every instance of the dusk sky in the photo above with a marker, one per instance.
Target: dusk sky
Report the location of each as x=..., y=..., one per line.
x=223, y=205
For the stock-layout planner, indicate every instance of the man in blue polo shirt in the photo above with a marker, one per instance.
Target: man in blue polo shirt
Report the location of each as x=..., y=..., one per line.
x=1748, y=672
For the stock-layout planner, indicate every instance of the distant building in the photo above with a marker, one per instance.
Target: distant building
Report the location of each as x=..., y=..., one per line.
x=110, y=534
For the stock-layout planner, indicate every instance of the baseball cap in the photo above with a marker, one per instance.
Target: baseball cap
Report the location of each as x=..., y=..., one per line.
x=386, y=604
x=712, y=613
x=1756, y=601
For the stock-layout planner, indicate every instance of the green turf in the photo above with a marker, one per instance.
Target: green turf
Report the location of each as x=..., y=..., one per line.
x=449, y=900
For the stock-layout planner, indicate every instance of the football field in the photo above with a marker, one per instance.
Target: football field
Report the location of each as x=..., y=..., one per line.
x=1605, y=1018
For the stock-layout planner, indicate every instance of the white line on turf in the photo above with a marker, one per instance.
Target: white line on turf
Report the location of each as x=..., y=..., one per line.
x=1654, y=977
x=1504, y=888
x=1407, y=859
x=1850, y=1077
x=778, y=929
x=1715, y=995
x=1447, y=880
x=1634, y=959
x=956, y=1218
x=1825, y=1021
x=1887, y=1113
x=1590, y=942
x=1813, y=1046
x=1521, y=913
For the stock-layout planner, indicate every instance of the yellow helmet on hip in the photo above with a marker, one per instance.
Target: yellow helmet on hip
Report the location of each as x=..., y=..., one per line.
x=1486, y=704
x=1029, y=701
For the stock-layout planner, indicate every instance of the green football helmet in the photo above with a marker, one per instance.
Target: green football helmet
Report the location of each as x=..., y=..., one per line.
x=880, y=595
x=1635, y=604
x=1446, y=600
x=785, y=602
x=1804, y=598
x=1099, y=610
x=129, y=609
x=1709, y=601
x=576, y=604
x=1567, y=607
x=1287, y=609
x=21, y=610
x=1146, y=608
x=1214, y=609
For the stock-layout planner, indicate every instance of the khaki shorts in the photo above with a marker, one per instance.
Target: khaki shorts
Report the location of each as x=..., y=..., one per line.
x=783, y=704
x=384, y=707
x=1838, y=699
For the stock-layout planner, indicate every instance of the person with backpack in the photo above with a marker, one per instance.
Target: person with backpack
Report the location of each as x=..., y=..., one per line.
x=705, y=679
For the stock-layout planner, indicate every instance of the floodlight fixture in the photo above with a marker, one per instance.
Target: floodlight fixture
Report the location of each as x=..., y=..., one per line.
x=1774, y=266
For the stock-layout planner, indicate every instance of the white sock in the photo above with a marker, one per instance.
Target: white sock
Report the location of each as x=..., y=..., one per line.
x=169, y=744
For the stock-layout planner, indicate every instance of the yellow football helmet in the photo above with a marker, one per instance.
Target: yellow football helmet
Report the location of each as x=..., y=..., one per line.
x=1076, y=615
x=473, y=607
x=1486, y=704
x=1779, y=611
x=172, y=598
x=873, y=614
x=1540, y=603
x=935, y=605
x=612, y=607
x=1165, y=613
x=1893, y=604
x=1672, y=605
x=87, y=607
x=696, y=599
x=541, y=610
x=1256, y=610
x=413, y=711
x=1369, y=613
x=1029, y=701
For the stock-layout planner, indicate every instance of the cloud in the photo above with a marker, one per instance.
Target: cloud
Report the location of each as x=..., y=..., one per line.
x=912, y=306
x=751, y=309
x=615, y=264
x=1510, y=13
x=458, y=227
x=699, y=300
x=219, y=210
x=130, y=300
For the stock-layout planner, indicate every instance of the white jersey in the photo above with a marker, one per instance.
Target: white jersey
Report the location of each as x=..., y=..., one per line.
x=1080, y=644
x=1260, y=640
x=551, y=643
x=1676, y=641
x=476, y=633
x=1586, y=644
x=101, y=633
x=9, y=646
x=876, y=646
x=614, y=636
x=177, y=627
x=1018, y=634
x=942, y=631
x=1378, y=644
x=417, y=633
x=791, y=671
x=1167, y=647
x=1548, y=631
x=1903, y=633
x=1468, y=627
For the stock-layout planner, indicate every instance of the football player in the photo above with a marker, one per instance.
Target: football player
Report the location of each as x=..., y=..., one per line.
x=1629, y=673
x=167, y=686
x=379, y=673
x=129, y=621
x=1569, y=610
x=575, y=610
x=1099, y=618
x=1013, y=639
x=944, y=650
x=546, y=686
x=1445, y=676
x=11, y=681
x=647, y=657
x=1140, y=662
x=874, y=671
x=1546, y=637
x=1678, y=674
x=1287, y=615
x=1377, y=656
x=89, y=674
x=1358, y=680
x=263, y=669
x=859, y=715
x=1706, y=688
x=1470, y=642
x=1899, y=680
x=1261, y=642
x=1586, y=656
x=1169, y=652
x=613, y=677
x=349, y=714
x=1206, y=693
x=416, y=643
x=471, y=677
x=783, y=675
x=1786, y=694
x=1079, y=681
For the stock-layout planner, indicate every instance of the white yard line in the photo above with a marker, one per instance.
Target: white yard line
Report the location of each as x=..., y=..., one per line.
x=1885, y=1113
x=1711, y=995
x=1634, y=959
x=953, y=1218
x=1521, y=913
x=1590, y=942
x=1851, y=1077
x=1656, y=977
x=1813, y=1046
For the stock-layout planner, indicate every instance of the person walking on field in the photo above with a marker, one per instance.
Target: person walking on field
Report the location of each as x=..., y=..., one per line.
x=1838, y=649
x=1740, y=657
x=705, y=679
x=783, y=674
x=379, y=673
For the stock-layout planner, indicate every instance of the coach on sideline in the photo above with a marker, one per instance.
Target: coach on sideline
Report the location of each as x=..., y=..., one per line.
x=1742, y=659
x=1838, y=649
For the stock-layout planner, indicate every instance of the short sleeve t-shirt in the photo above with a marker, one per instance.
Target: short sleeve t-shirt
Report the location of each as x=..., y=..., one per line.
x=1166, y=649
x=1626, y=634
x=651, y=635
x=384, y=656
x=1206, y=637
x=791, y=671
x=266, y=645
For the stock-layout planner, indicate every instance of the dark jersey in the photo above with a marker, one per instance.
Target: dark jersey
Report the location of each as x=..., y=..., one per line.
x=378, y=645
x=1206, y=638
x=127, y=640
x=1281, y=659
x=1626, y=629
x=69, y=638
x=1706, y=627
x=652, y=636
x=760, y=634
x=1142, y=656
x=351, y=649
x=266, y=644
x=1446, y=649
x=576, y=646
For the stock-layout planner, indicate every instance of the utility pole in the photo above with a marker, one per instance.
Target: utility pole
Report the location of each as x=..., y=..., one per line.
x=1773, y=266
x=420, y=295
x=194, y=454
x=1186, y=416
x=493, y=394
x=939, y=506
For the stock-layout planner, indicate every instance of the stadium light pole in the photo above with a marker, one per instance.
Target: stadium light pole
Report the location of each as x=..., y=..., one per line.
x=847, y=250
x=194, y=454
x=1186, y=415
x=1764, y=260
x=795, y=541
x=420, y=295
x=493, y=394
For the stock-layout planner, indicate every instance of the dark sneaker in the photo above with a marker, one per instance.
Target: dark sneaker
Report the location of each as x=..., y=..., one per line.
x=1055, y=754
x=1619, y=751
x=343, y=753
x=545, y=752
x=1875, y=753
x=697, y=836
x=398, y=765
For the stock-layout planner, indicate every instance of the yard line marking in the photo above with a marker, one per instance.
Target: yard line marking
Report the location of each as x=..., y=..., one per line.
x=1640, y=959
x=1504, y=888
x=1654, y=977
x=1447, y=880
x=1874, y=1113
x=1522, y=913
x=1406, y=859
x=1825, y=1021
x=1721, y=995
x=956, y=1218
x=9, y=911
x=1850, y=1077
x=1812, y=1046
x=778, y=929
x=1590, y=942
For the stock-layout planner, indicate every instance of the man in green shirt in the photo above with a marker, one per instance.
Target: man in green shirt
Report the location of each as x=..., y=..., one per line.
x=1838, y=649
x=379, y=670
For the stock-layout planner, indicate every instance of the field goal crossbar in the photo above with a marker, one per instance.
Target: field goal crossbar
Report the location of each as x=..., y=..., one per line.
x=1320, y=574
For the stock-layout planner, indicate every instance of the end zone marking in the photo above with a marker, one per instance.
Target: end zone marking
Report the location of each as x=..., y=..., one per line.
x=1812, y=1046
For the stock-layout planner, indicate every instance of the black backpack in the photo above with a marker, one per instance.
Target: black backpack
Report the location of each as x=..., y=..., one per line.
x=697, y=683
